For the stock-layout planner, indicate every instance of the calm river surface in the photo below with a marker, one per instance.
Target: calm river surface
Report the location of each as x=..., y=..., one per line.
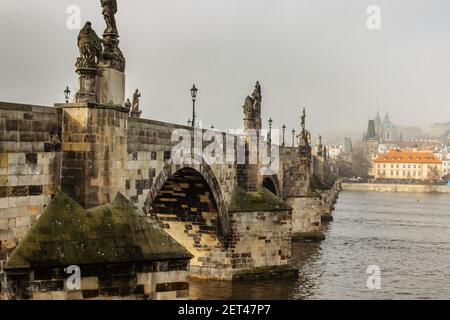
x=407, y=235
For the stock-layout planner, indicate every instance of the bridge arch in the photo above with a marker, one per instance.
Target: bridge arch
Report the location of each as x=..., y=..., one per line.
x=188, y=203
x=271, y=183
x=199, y=169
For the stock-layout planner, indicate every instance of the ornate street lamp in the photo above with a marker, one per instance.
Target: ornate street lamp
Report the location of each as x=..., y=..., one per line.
x=269, y=138
x=189, y=122
x=194, y=91
x=67, y=94
x=284, y=132
x=293, y=137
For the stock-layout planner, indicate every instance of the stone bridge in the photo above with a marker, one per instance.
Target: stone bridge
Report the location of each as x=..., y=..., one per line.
x=233, y=219
x=234, y=215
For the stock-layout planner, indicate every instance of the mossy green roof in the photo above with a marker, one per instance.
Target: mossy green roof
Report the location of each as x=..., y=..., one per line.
x=261, y=200
x=67, y=234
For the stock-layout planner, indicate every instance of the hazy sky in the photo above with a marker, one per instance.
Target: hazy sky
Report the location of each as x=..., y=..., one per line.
x=313, y=53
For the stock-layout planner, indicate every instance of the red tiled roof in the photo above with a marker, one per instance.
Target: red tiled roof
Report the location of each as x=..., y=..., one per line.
x=406, y=156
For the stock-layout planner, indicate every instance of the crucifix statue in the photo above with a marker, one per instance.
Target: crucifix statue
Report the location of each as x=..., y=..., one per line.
x=109, y=11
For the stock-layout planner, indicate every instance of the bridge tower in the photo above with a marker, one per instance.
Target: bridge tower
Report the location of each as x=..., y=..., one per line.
x=297, y=190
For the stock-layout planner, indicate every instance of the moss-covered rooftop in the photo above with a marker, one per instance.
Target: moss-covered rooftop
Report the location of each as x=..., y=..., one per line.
x=67, y=234
x=261, y=200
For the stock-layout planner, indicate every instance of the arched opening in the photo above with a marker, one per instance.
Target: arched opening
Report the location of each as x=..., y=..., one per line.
x=186, y=209
x=270, y=184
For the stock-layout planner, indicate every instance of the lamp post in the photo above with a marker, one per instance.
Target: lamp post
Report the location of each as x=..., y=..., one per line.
x=269, y=138
x=194, y=91
x=284, y=132
x=293, y=137
x=67, y=94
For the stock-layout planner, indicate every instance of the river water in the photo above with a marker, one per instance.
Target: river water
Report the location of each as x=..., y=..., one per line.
x=406, y=235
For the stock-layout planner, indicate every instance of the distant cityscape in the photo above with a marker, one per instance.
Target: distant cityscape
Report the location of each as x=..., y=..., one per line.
x=389, y=152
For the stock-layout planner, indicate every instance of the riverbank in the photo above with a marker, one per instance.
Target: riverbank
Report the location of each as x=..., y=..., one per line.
x=385, y=187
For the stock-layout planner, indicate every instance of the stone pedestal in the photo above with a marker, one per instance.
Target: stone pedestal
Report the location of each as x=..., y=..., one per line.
x=87, y=86
x=110, y=87
x=94, y=152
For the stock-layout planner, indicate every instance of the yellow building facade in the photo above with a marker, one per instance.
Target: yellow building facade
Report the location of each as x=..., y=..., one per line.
x=407, y=165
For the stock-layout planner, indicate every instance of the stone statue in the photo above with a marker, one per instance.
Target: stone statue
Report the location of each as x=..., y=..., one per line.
x=252, y=105
x=128, y=104
x=135, y=110
x=257, y=92
x=303, y=136
x=112, y=57
x=109, y=11
x=319, y=146
x=257, y=96
x=90, y=46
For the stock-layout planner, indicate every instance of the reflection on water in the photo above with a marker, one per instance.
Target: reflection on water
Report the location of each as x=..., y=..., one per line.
x=406, y=235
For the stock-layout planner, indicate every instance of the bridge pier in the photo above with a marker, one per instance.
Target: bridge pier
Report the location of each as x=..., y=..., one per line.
x=248, y=237
x=297, y=193
x=306, y=218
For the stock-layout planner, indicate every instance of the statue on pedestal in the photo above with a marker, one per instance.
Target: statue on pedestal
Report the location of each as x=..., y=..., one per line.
x=112, y=56
x=252, y=108
x=303, y=138
x=128, y=105
x=90, y=47
x=109, y=11
x=135, y=110
x=319, y=146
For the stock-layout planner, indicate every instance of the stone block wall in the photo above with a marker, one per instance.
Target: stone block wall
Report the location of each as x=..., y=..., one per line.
x=149, y=149
x=260, y=246
x=94, y=145
x=164, y=280
x=29, y=168
x=306, y=217
x=260, y=239
x=295, y=173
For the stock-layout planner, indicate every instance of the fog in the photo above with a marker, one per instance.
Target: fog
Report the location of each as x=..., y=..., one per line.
x=315, y=54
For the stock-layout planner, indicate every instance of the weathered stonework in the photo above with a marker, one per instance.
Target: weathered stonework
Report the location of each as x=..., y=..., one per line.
x=297, y=193
x=92, y=150
x=167, y=280
x=103, y=151
x=119, y=252
x=29, y=168
x=306, y=223
x=94, y=145
x=257, y=244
